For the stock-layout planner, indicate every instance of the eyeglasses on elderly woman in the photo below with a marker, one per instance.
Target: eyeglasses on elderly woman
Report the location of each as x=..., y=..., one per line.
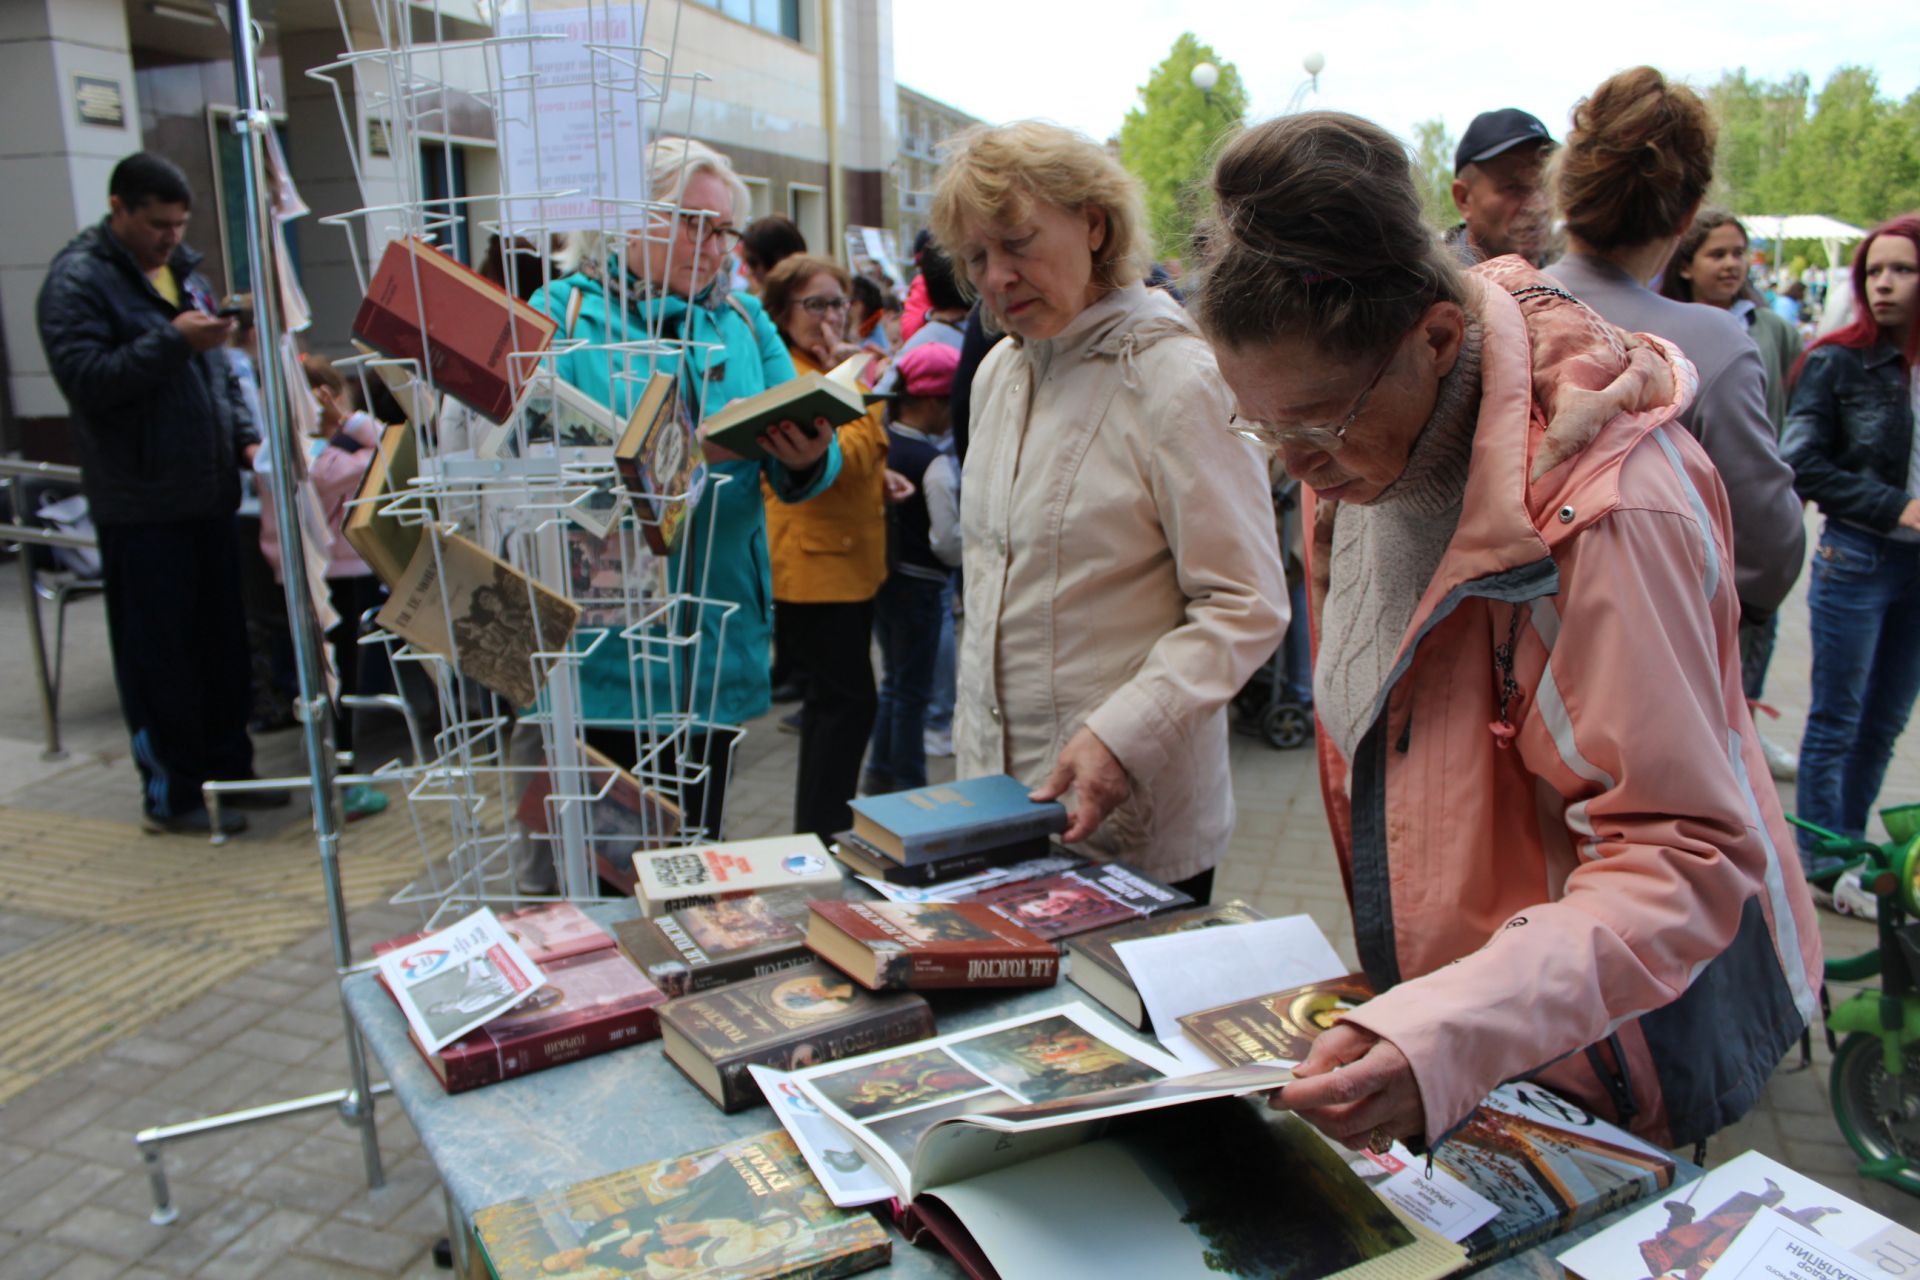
x=1327, y=437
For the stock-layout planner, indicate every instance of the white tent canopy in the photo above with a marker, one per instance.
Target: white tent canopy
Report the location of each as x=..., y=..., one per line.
x=1832, y=233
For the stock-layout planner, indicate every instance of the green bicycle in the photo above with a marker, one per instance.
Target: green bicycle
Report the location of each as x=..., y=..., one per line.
x=1875, y=1083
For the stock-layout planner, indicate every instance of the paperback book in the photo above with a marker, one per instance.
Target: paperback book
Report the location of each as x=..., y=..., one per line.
x=659, y=465
x=699, y=948
x=1076, y=902
x=901, y=945
x=690, y=876
x=383, y=540
x=747, y=1208
x=950, y=819
x=789, y=1019
x=1097, y=969
x=451, y=981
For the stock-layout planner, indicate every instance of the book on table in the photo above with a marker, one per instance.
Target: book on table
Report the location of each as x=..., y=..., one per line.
x=451, y=980
x=835, y=395
x=621, y=813
x=743, y=1210
x=889, y=946
x=695, y=874
x=462, y=328
x=499, y=627
x=1054, y=1144
x=949, y=819
x=659, y=465
x=384, y=540
x=864, y=859
x=1097, y=969
x=1076, y=902
x=699, y=948
x=795, y=1017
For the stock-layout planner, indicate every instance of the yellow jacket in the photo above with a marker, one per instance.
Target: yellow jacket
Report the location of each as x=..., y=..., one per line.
x=833, y=550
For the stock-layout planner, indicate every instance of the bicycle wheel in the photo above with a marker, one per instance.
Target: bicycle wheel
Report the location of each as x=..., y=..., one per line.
x=1879, y=1114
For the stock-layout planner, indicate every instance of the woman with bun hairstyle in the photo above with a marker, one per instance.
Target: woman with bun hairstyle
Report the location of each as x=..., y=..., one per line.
x=1628, y=181
x=1854, y=448
x=1562, y=854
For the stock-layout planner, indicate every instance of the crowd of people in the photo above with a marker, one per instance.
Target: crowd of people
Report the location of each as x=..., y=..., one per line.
x=1553, y=465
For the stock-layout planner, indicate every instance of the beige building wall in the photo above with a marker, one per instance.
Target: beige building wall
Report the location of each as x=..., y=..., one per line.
x=925, y=124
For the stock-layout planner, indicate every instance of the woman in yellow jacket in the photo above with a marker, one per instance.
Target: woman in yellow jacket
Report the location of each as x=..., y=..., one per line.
x=829, y=559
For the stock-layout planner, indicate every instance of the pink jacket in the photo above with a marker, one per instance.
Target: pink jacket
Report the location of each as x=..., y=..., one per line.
x=1611, y=905
x=335, y=474
x=913, y=312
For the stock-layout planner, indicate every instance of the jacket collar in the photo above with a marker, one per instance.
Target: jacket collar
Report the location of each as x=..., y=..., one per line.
x=1118, y=324
x=1882, y=352
x=109, y=246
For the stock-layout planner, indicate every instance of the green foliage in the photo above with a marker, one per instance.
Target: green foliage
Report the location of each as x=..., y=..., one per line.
x=1433, y=149
x=1171, y=135
x=1849, y=152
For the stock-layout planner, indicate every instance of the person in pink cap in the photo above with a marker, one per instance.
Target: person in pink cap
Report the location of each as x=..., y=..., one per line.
x=923, y=540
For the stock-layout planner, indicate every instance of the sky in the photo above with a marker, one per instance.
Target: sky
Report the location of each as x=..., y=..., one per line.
x=1081, y=64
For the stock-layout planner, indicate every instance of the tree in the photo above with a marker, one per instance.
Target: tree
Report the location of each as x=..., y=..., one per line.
x=1171, y=135
x=1433, y=149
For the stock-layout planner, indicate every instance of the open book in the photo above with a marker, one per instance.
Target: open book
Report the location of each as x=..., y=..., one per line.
x=1043, y=1145
x=835, y=395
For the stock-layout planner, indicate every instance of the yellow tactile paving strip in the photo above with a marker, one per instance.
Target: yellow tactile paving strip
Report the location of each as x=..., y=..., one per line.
x=152, y=922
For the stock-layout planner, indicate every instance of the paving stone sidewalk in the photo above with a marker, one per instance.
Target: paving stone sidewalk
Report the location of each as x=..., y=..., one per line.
x=287, y=1198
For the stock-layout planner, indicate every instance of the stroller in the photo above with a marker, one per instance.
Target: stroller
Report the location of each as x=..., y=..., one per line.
x=1277, y=702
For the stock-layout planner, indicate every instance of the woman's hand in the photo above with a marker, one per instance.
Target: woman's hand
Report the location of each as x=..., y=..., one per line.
x=1910, y=518
x=898, y=487
x=794, y=448
x=1356, y=1088
x=1095, y=776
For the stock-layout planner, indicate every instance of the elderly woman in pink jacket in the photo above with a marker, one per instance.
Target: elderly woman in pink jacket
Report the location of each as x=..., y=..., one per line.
x=1122, y=567
x=1564, y=854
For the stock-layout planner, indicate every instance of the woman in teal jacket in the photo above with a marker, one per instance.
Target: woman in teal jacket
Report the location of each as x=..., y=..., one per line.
x=679, y=291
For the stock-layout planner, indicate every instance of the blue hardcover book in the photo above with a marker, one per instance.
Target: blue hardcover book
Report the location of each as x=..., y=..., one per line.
x=951, y=819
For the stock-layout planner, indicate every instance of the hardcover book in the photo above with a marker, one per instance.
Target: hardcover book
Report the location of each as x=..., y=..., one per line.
x=835, y=396
x=490, y=619
x=790, y=1019
x=620, y=815
x=553, y=415
x=699, y=948
x=384, y=541
x=659, y=465
x=669, y=879
x=1277, y=1028
x=864, y=859
x=1080, y=901
x=953, y=818
x=464, y=329
x=745, y=1210
x=894, y=945
x=547, y=932
x=1098, y=970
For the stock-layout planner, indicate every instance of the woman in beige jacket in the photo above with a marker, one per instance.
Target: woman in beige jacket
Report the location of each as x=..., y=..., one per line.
x=1122, y=570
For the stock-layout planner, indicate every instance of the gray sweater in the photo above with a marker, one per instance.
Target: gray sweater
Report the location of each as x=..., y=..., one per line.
x=1728, y=417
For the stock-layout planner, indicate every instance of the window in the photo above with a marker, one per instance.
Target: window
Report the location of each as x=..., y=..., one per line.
x=759, y=200
x=443, y=176
x=781, y=17
x=807, y=206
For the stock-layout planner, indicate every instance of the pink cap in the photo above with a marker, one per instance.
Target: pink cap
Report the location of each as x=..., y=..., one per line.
x=927, y=370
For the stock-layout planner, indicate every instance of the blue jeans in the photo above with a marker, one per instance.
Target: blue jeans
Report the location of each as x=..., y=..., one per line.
x=1865, y=602
x=940, y=702
x=906, y=621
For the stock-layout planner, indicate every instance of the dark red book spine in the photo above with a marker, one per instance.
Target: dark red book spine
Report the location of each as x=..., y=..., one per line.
x=479, y=1059
x=1024, y=968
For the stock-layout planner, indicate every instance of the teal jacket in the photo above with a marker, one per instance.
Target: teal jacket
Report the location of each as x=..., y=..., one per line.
x=747, y=356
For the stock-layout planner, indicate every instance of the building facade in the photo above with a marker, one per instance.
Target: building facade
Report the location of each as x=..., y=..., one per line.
x=925, y=124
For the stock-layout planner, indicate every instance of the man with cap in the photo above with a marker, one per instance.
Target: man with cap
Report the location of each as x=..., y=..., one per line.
x=1500, y=188
x=923, y=539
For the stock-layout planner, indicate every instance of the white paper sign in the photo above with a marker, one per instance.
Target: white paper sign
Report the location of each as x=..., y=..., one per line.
x=1183, y=973
x=1432, y=1197
x=560, y=130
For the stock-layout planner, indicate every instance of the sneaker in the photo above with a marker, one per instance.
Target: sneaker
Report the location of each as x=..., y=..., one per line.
x=195, y=822
x=937, y=743
x=1783, y=764
x=790, y=724
x=1850, y=898
x=362, y=801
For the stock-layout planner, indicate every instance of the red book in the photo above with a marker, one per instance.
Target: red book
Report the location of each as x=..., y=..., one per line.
x=471, y=326
x=923, y=945
x=549, y=932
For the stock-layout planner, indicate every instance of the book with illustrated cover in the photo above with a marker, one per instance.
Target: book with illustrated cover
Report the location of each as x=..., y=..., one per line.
x=949, y=819
x=1276, y=1028
x=553, y=417
x=692, y=875
x=603, y=573
x=547, y=932
x=1098, y=970
x=865, y=860
x=487, y=617
x=658, y=463
x=794, y=1018
x=622, y=814
x=460, y=326
x=451, y=980
x=1683, y=1234
x=385, y=541
x=745, y=1210
x=907, y=945
x=1076, y=902
x=835, y=395
x=699, y=948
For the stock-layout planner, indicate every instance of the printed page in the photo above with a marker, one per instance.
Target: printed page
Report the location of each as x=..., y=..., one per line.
x=849, y=1180
x=1182, y=973
x=459, y=978
x=1773, y=1246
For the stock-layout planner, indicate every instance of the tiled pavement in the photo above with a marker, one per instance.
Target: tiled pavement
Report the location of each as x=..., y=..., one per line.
x=287, y=1198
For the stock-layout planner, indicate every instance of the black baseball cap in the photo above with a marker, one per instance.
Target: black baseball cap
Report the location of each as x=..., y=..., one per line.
x=1493, y=132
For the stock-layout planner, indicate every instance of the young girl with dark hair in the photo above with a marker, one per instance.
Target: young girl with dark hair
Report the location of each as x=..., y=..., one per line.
x=1851, y=441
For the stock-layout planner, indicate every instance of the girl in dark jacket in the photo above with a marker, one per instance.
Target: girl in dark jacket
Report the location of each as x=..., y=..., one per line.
x=1851, y=442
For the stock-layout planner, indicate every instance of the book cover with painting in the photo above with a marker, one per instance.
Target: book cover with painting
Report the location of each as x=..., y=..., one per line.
x=1077, y=902
x=697, y=949
x=659, y=464
x=922, y=945
x=1277, y=1028
x=620, y=813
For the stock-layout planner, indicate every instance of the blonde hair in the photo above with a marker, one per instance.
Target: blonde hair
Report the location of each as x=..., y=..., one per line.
x=995, y=173
x=671, y=164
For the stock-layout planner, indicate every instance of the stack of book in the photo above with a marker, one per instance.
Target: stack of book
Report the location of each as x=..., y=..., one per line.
x=665, y=880
x=933, y=834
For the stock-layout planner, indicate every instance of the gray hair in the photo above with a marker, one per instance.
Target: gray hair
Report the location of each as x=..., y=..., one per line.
x=671, y=164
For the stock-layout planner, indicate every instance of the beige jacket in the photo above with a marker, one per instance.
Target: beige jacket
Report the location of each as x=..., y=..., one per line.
x=1122, y=572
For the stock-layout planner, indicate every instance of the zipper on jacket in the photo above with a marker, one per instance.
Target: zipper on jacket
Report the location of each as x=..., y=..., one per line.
x=1618, y=1082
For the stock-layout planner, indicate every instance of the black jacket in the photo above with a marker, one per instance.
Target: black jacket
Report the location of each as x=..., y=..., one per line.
x=1849, y=434
x=159, y=425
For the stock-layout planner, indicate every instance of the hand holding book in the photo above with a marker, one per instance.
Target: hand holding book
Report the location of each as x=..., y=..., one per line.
x=1095, y=776
x=1356, y=1088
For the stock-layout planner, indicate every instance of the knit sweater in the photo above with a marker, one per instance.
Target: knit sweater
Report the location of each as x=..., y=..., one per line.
x=1385, y=553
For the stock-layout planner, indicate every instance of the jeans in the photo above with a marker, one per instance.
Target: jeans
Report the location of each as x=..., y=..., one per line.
x=940, y=701
x=906, y=621
x=1865, y=602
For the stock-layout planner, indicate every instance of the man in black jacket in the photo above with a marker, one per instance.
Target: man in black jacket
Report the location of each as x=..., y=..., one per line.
x=133, y=338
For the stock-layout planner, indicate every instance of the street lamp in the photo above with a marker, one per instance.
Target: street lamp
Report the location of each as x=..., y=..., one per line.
x=1313, y=64
x=1204, y=76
